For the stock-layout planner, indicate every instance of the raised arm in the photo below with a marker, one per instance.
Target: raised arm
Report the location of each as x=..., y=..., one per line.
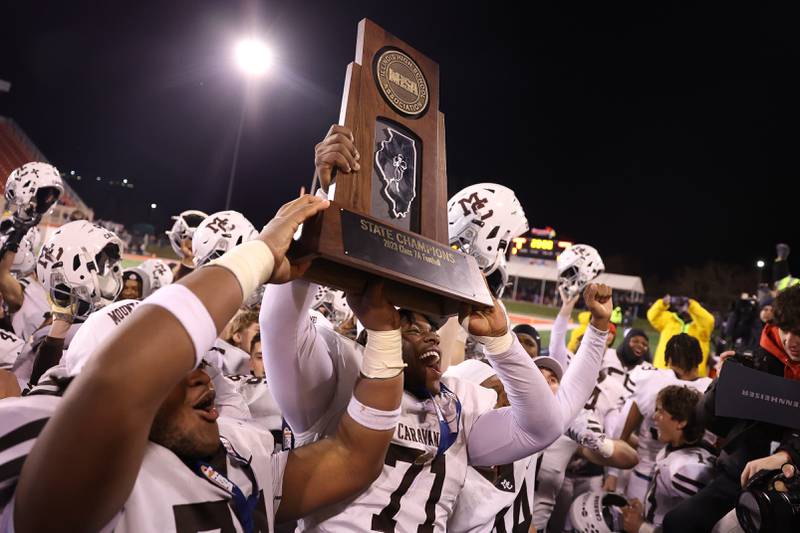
x=333, y=469
x=701, y=317
x=297, y=354
x=10, y=288
x=50, y=350
x=505, y=435
x=581, y=377
x=90, y=452
x=535, y=418
x=558, y=335
x=294, y=348
x=658, y=315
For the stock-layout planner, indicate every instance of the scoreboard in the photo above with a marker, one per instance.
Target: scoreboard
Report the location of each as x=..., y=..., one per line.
x=538, y=247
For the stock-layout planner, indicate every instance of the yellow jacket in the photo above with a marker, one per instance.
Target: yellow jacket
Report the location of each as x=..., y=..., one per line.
x=577, y=333
x=669, y=324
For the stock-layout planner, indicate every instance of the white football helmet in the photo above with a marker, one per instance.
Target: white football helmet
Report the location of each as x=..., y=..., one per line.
x=81, y=266
x=151, y=275
x=578, y=266
x=183, y=228
x=218, y=233
x=482, y=219
x=158, y=273
x=597, y=512
x=25, y=260
x=32, y=189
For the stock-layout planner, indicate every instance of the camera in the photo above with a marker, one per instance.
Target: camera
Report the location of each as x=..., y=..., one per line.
x=744, y=357
x=679, y=303
x=771, y=502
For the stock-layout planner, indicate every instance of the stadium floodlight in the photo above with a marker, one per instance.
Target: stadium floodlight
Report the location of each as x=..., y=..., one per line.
x=253, y=56
x=760, y=264
x=153, y=206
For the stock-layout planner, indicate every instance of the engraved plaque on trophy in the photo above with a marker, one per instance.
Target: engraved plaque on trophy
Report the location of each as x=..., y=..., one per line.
x=389, y=219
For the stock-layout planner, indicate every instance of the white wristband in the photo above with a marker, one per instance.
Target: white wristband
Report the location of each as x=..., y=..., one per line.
x=372, y=418
x=383, y=355
x=497, y=345
x=187, y=308
x=251, y=262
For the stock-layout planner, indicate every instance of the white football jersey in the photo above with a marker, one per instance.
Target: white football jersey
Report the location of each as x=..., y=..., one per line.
x=24, y=365
x=34, y=310
x=615, y=384
x=501, y=501
x=23, y=418
x=649, y=446
x=417, y=489
x=10, y=349
x=228, y=358
x=255, y=391
x=550, y=473
x=678, y=474
x=168, y=495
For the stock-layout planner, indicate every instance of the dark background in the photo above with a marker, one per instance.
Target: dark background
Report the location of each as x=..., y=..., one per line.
x=666, y=136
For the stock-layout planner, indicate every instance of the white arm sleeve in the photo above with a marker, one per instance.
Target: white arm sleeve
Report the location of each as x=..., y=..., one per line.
x=581, y=377
x=297, y=358
x=536, y=417
x=558, y=344
x=533, y=421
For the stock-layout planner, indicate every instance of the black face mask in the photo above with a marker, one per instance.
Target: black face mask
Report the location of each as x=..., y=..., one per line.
x=627, y=356
x=495, y=282
x=625, y=352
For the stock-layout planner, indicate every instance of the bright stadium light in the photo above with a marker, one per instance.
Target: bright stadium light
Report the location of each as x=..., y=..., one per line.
x=760, y=264
x=253, y=56
x=153, y=206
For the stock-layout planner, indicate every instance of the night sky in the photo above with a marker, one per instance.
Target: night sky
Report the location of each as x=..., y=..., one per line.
x=663, y=135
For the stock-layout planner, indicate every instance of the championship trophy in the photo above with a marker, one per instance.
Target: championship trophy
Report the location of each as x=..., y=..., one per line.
x=389, y=219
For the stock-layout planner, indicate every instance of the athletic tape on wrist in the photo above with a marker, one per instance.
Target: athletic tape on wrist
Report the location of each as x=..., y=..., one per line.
x=187, y=308
x=251, y=262
x=497, y=345
x=372, y=418
x=383, y=355
x=606, y=448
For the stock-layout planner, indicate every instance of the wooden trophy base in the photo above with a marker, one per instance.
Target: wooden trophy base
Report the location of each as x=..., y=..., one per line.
x=347, y=248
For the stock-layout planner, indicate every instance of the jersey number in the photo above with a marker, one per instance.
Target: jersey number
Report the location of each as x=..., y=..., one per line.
x=213, y=516
x=520, y=505
x=385, y=521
